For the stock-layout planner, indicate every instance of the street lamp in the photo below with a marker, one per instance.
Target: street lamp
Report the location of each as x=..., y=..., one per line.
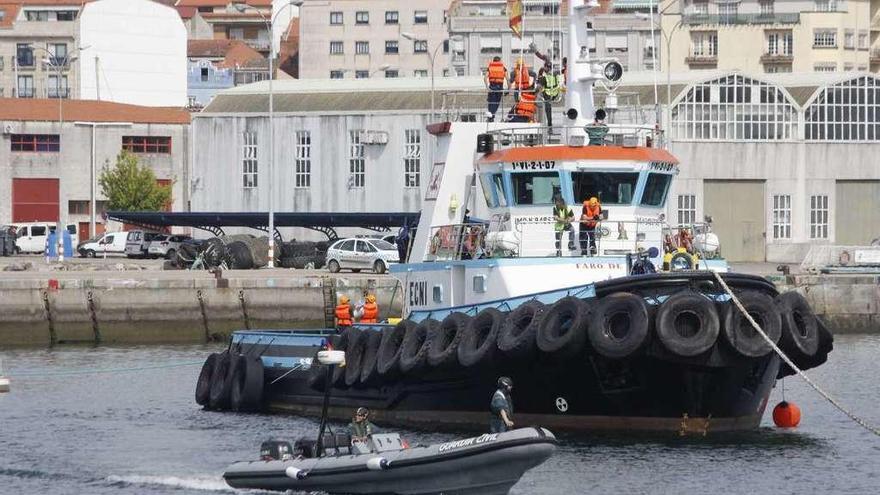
x=432, y=54
x=58, y=66
x=270, y=24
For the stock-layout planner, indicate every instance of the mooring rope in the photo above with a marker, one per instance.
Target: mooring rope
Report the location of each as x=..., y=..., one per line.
x=861, y=422
x=37, y=373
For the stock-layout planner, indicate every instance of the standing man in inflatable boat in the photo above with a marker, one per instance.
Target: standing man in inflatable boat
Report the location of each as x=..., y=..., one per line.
x=502, y=407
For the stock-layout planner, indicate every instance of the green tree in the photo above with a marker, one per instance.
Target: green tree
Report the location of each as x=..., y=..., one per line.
x=129, y=186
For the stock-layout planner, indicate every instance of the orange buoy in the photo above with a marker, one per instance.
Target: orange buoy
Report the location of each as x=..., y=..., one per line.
x=786, y=415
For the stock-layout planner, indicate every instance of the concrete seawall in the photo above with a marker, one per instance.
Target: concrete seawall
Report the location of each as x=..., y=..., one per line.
x=39, y=308
x=153, y=306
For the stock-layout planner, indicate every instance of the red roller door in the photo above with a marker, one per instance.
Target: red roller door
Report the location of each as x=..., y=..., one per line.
x=34, y=200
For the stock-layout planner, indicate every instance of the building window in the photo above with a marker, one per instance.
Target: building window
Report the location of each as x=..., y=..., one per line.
x=37, y=15
x=420, y=46
x=35, y=142
x=420, y=17
x=704, y=44
x=361, y=74
x=392, y=17
x=303, y=160
x=336, y=74
x=819, y=217
x=335, y=18
x=361, y=17
x=420, y=73
x=727, y=12
x=847, y=111
x=25, y=86
x=357, y=177
x=779, y=43
x=362, y=47
x=490, y=44
x=391, y=46
x=826, y=6
x=687, y=209
x=83, y=207
x=57, y=88
x=734, y=108
x=825, y=67
x=824, y=38
x=66, y=15
x=616, y=43
x=24, y=55
x=849, y=39
x=336, y=47
x=863, y=41
x=147, y=144
x=249, y=160
x=781, y=216
x=766, y=7
x=59, y=54
x=701, y=7
x=412, y=158
x=204, y=76
x=391, y=73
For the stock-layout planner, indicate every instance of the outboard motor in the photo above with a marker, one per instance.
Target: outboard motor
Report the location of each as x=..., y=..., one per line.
x=276, y=450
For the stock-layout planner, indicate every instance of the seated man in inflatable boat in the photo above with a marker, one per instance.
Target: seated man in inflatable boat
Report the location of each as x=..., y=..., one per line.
x=360, y=427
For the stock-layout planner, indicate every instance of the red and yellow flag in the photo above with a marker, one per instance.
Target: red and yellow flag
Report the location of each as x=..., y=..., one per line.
x=515, y=12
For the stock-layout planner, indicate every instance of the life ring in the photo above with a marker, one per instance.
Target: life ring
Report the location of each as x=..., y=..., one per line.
x=347, y=341
x=844, y=258
x=443, y=350
x=687, y=324
x=800, y=333
x=369, y=371
x=203, y=385
x=220, y=382
x=414, y=348
x=738, y=331
x=679, y=260
x=354, y=357
x=563, y=329
x=247, y=384
x=479, y=344
x=517, y=336
x=619, y=325
x=388, y=361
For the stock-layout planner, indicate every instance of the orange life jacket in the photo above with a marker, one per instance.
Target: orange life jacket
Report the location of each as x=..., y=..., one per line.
x=592, y=213
x=522, y=79
x=497, y=71
x=371, y=313
x=343, y=315
x=526, y=106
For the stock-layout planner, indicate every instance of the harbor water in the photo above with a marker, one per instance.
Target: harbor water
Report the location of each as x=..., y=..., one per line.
x=70, y=427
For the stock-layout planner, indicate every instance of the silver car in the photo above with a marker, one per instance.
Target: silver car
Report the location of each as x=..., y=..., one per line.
x=361, y=254
x=165, y=246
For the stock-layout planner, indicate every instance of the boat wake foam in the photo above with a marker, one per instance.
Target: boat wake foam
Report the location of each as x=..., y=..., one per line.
x=206, y=483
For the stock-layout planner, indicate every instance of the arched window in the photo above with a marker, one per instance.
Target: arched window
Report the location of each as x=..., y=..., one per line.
x=734, y=108
x=847, y=111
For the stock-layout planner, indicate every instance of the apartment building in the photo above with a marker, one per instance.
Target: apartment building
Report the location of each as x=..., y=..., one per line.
x=480, y=30
x=214, y=65
x=344, y=39
x=37, y=49
x=243, y=20
x=771, y=35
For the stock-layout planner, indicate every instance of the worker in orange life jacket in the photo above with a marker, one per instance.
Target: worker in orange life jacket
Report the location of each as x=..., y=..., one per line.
x=526, y=108
x=496, y=76
x=370, y=310
x=591, y=213
x=521, y=78
x=343, y=313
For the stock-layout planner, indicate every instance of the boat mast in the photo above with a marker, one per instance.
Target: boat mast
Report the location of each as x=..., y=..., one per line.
x=579, y=94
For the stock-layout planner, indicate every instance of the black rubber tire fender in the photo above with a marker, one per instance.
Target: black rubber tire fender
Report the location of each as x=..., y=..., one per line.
x=236, y=390
x=347, y=341
x=619, y=325
x=415, y=345
x=517, y=336
x=479, y=344
x=738, y=331
x=220, y=381
x=800, y=331
x=369, y=371
x=203, y=385
x=687, y=324
x=388, y=362
x=254, y=383
x=563, y=329
x=354, y=358
x=443, y=349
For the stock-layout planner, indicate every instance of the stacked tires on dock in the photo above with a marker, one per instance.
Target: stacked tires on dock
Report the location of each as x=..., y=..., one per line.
x=231, y=380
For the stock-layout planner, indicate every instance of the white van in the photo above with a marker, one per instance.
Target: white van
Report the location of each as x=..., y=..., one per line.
x=32, y=237
x=108, y=243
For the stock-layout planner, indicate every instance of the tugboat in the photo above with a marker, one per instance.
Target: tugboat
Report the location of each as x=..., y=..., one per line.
x=593, y=339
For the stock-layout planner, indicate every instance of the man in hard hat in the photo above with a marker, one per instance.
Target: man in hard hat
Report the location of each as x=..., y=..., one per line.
x=343, y=313
x=563, y=217
x=591, y=213
x=496, y=77
x=370, y=312
x=360, y=427
x=525, y=108
x=521, y=78
x=501, y=407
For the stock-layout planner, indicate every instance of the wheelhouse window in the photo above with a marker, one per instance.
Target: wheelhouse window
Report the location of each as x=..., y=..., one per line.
x=655, y=189
x=611, y=188
x=535, y=188
x=146, y=144
x=35, y=142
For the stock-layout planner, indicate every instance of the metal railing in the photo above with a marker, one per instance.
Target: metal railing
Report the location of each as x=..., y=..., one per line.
x=741, y=19
x=617, y=135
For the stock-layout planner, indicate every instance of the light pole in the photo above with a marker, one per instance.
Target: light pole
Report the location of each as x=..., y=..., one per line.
x=58, y=66
x=432, y=55
x=270, y=25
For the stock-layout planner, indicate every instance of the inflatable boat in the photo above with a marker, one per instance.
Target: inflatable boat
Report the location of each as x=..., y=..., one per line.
x=487, y=464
